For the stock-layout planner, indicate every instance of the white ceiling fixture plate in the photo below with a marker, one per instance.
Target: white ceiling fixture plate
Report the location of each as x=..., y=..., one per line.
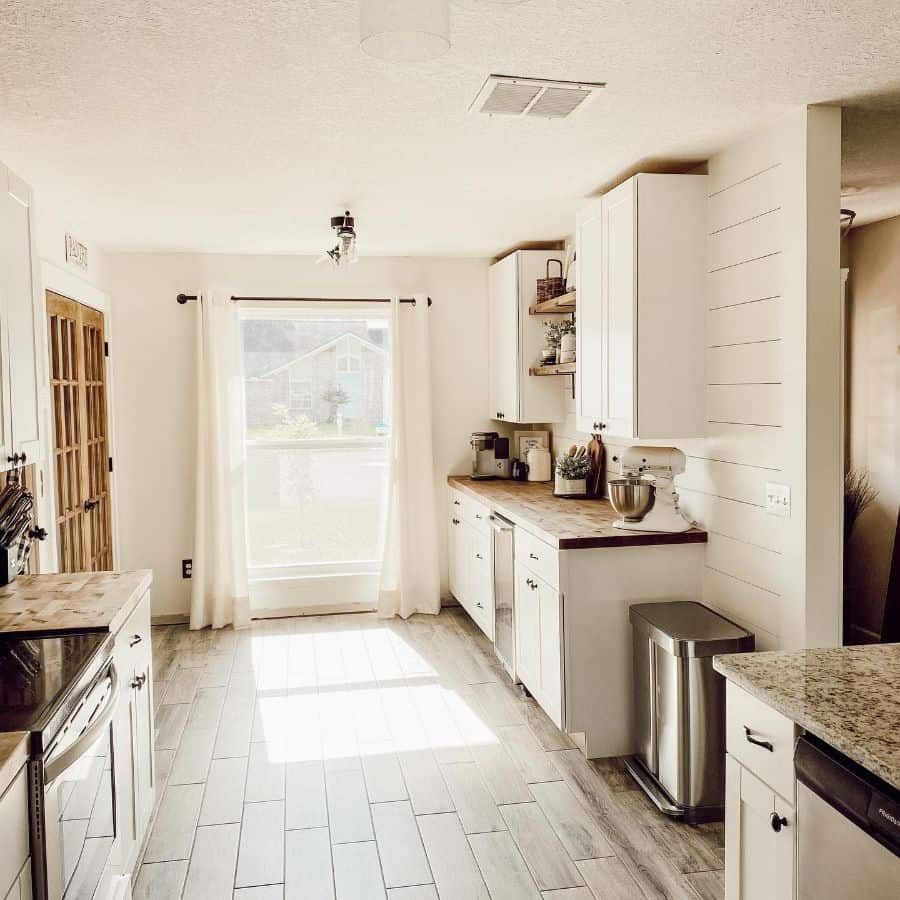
x=539, y=98
x=404, y=31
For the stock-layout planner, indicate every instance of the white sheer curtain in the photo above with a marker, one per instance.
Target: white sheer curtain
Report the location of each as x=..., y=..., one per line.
x=410, y=577
x=219, y=594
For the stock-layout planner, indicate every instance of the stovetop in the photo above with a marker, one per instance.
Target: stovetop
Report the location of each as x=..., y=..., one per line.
x=39, y=675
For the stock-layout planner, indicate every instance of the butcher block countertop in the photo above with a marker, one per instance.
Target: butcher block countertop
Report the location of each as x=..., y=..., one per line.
x=847, y=696
x=562, y=523
x=13, y=755
x=85, y=601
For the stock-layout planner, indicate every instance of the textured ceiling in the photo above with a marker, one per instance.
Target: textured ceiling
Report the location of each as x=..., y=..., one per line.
x=242, y=127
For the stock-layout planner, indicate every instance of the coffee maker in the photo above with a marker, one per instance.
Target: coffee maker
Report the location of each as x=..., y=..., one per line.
x=490, y=455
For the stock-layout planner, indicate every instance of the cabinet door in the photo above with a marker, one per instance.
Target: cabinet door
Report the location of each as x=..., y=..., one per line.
x=590, y=379
x=457, y=557
x=759, y=860
x=18, y=343
x=528, y=630
x=551, y=698
x=619, y=305
x=143, y=741
x=481, y=582
x=504, y=339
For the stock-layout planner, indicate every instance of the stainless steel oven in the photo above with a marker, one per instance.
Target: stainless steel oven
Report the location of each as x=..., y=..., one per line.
x=73, y=815
x=62, y=689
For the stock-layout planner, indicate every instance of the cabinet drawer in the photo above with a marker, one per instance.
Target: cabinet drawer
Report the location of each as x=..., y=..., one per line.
x=14, y=828
x=133, y=639
x=470, y=510
x=541, y=558
x=767, y=729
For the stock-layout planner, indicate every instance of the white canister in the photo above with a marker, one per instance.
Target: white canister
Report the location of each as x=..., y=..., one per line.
x=540, y=466
x=567, y=348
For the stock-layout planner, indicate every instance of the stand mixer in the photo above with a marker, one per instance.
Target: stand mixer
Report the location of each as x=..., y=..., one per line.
x=645, y=496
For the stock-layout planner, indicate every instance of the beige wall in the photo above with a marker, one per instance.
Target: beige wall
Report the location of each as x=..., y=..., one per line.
x=153, y=355
x=874, y=337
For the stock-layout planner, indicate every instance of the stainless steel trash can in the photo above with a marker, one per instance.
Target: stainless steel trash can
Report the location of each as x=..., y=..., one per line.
x=680, y=706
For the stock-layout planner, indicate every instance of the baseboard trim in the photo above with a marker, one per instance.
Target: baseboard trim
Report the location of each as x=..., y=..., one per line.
x=170, y=620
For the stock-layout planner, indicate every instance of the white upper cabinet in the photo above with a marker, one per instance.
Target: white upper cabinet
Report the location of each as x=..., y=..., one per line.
x=516, y=339
x=641, y=310
x=18, y=352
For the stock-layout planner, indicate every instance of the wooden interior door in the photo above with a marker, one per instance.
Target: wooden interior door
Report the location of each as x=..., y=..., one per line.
x=81, y=435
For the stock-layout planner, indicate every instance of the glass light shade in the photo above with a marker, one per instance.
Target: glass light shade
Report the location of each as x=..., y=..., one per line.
x=404, y=30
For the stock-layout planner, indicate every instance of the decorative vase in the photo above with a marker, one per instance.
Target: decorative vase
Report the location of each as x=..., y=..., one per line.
x=574, y=487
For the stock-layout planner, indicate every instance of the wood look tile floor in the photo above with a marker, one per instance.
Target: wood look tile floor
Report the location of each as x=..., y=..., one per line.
x=353, y=758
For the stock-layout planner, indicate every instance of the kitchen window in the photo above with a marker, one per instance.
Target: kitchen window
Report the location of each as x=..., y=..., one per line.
x=317, y=419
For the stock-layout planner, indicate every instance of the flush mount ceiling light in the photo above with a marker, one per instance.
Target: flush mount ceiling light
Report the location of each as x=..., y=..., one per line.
x=404, y=30
x=344, y=251
x=539, y=98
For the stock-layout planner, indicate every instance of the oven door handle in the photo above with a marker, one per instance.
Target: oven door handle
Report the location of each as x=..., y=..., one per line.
x=59, y=765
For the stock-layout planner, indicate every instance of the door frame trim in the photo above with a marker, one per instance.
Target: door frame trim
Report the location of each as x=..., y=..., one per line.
x=59, y=281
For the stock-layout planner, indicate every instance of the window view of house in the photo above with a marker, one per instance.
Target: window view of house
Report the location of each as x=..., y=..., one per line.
x=317, y=412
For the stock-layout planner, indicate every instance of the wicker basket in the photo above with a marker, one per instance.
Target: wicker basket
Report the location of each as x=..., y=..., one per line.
x=548, y=288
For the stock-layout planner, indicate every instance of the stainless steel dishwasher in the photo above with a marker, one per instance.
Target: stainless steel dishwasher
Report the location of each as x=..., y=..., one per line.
x=504, y=592
x=848, y=828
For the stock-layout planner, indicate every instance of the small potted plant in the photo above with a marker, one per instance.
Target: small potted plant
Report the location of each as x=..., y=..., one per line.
x=572, y=470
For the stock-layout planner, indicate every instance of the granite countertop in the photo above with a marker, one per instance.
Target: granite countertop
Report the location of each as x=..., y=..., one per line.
x=563, y=523
x=13, y=755
x=84, y=601
x=847, y=696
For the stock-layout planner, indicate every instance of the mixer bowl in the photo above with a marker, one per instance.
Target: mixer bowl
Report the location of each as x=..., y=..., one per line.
x=632, y=499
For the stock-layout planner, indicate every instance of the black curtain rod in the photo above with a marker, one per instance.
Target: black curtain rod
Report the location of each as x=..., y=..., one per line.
x=186, y=298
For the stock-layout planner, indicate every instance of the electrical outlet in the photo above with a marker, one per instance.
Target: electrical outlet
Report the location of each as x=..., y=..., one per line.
x=778, y=499
x=187, y=568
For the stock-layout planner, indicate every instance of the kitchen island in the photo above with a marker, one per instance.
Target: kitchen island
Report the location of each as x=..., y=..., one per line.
x=847, y=696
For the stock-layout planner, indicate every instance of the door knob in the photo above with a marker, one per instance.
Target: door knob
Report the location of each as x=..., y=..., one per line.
x=91, y=504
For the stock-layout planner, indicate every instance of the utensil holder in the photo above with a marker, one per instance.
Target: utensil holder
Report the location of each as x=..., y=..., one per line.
x=548, y=288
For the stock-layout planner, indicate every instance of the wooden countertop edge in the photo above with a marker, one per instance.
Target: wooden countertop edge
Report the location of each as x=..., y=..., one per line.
x=588, y=542
x=13, y=755
x=128, y=607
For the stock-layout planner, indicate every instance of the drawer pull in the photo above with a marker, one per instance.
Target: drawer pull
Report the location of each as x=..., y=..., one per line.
x=777, y=822
x=477, y=515
x=139, y=681
x=478, y=604
x=455, y=521
x=766, y=745
x=531, y=584
x=532, y=556
x=478, y=556
x=457, y=503
x=135, y=640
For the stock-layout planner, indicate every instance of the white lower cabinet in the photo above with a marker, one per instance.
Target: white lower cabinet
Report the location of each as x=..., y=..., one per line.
x=538, y=641
x=133, y=733
x=760, y=824
x=15, y=863
x=760, y=836
x=471, y=567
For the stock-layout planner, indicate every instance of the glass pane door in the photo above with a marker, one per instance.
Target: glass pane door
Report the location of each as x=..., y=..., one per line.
x=317, y=394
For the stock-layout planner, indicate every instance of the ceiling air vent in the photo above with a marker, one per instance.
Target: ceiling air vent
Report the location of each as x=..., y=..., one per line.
x=541, y=98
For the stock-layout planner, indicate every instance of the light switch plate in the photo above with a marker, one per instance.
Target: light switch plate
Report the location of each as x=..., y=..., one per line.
x=778, y=499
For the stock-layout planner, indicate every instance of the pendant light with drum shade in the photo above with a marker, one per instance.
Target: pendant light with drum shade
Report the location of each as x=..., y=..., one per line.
x=404, y=31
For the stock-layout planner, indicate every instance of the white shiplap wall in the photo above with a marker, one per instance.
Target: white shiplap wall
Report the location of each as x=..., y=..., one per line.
x=772, y=339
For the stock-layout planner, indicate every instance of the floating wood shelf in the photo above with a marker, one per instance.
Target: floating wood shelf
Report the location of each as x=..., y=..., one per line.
x=562, y=369
x=565, y=303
